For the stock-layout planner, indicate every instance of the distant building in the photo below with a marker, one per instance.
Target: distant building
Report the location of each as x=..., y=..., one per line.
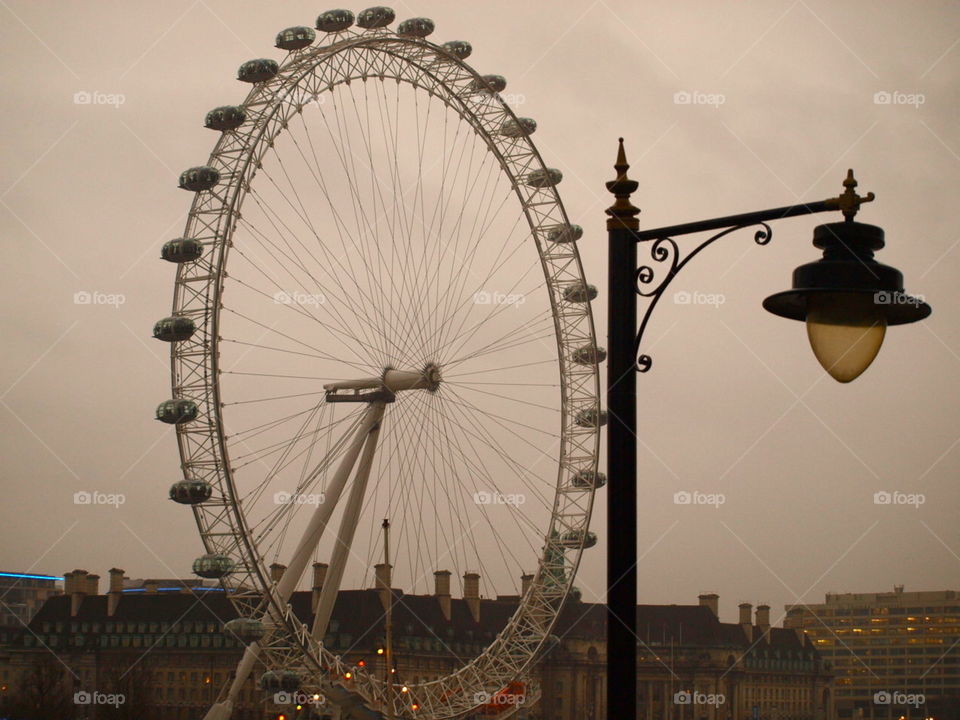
x=687, y=657
x=890, y=650
x=692, y=667
x=22, y=594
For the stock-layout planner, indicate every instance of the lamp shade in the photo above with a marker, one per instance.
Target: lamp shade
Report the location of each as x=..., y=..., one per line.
x=847, y=298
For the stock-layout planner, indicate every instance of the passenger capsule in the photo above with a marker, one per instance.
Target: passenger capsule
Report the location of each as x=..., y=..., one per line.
x=544, y=178
x=295, y=38
x=199, y=178
x=458, y=48
x=174, y=329
x=246, y=630
x=226, y=117
x=588, y=355
x=519, y=127
x=575, y=594
x=565, y=233
x=579, y=293
x=182, y=250
x=260, y=70
x=191, y=492
x=375, y=17
x=591, y=417
x=334, y=20
x=578, y=538
x=212, y=566
x=489, y=84
x=416, y=27
x=280, y=681
x=175, y=412
x=589, y=479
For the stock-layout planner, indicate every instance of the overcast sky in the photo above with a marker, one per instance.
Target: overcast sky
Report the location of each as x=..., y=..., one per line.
x=783, y=99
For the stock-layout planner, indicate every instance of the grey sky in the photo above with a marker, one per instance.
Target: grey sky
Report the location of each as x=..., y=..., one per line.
x=735, y=404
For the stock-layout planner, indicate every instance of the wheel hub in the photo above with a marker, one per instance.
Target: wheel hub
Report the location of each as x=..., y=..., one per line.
x=389, y=384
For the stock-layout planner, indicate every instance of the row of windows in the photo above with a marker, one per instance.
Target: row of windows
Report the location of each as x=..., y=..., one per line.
x=932, y=629
x=134, y=641
x=187, y=626
x=868, y=692
x=845, y=612
x=855, y=641
x=776, y=664
x=879, y=656
x=935, y=676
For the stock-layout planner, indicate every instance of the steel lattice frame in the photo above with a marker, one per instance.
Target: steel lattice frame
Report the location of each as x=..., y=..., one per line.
x=304, y=75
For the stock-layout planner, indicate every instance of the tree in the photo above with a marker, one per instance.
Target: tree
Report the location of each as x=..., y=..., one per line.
x=44, y=691
x=128, y=678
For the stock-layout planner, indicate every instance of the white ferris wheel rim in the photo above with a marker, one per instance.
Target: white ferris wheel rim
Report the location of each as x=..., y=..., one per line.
x=203, y=447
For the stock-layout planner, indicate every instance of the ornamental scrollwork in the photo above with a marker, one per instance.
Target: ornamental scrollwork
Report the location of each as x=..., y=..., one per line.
x=652, y=280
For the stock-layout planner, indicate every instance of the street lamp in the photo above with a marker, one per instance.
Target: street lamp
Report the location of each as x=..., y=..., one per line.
x=846, y=298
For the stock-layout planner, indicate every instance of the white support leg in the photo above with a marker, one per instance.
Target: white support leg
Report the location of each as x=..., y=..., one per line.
x=348, y=526
x=321, y=516
x=301, y=556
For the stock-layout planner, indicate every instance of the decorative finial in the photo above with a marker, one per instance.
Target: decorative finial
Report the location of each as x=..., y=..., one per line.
x=849, y=202
x=621, y=167
x=623, y=215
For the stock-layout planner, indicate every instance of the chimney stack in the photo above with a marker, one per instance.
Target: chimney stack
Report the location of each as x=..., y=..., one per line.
x=319, y=575
x=441, y=585
x=383, y=580
x=116, y=591
x=68, y=583
x=763, y=619
x=276, y=572
x=78, y=590
x=526, y=581
x=712, y=601
x=93, y=584
x=745, y=620
x=471, y=593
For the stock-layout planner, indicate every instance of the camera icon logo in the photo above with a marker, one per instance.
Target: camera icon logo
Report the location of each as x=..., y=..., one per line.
x=482, y=298
x=682, y=498
x=82, y=98
x=882, y=98
x=82, y=298
x=882, y=497
x=82, y=498
x=682, y=98
x=681, y=297
x=882, y=698
x=283, y=698
x=82, y=698
x=684, y=697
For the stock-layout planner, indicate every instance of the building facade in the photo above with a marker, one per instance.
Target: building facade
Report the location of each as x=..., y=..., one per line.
x=896, y=654
x=22, y=594
x=691, y=666
x=161, y=645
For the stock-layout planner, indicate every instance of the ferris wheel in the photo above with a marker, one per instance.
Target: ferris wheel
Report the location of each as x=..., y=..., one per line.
x=380, y=312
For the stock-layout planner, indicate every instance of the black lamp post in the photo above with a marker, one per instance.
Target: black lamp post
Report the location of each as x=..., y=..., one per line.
x=846, y=298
